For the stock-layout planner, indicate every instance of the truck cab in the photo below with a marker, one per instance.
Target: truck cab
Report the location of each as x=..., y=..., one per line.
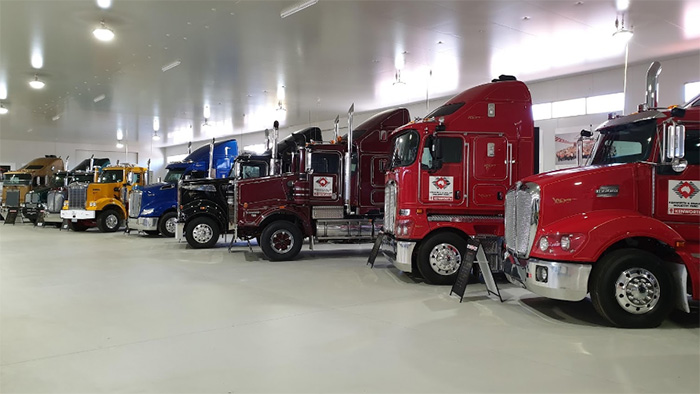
x=103, y=203
x=56, y=190
x=36, y=173
x=153, y=208
x=448, y=176
x=625, y=228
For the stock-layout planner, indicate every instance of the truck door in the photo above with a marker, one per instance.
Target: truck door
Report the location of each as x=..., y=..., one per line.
x=445, y=185
x=489, y=162
x=678, y=194
x=325, y=178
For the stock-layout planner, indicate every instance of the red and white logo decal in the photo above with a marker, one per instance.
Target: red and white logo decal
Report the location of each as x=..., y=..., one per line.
x=441, y=182
x=322, y=181
x=686, y=189
x=323, y=186
x=440, y=188
x=684, y=197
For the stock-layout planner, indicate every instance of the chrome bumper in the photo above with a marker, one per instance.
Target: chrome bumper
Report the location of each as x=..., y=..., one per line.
x=143, y=224
x=564, y=281
x=399, y=253
x=52, y=217
x=77, y=214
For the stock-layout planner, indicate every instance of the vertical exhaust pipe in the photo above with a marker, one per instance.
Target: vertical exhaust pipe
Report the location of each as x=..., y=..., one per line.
x=652, y=88
x=189, y=148
x=348, y=160
x=65, y=163
x=273, y=158
x=148, y=172
x=212, y=170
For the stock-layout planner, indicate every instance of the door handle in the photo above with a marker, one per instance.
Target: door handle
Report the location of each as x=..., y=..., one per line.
x=458, y=195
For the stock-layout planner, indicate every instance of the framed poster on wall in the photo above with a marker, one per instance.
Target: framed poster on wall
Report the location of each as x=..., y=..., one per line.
x=566, y=150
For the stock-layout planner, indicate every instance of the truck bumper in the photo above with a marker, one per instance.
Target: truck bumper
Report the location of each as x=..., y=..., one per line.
x=143, y=224
x=399, y=253
x=77, y=214
x=551, y=279
x=52, y=217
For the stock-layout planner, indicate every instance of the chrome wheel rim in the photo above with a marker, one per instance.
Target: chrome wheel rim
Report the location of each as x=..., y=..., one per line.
x=170, y=225
x=637, y=291
x=111, y=221
x=282, y=241
x=202, y=233
x=445, y=259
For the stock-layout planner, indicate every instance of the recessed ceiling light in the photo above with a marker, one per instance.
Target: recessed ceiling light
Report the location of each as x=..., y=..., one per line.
x=102, y=33
x=99, y=98
x=56, y=117
x=3, y=110
x=171, y=65
x=36, y=83
x=104, y=4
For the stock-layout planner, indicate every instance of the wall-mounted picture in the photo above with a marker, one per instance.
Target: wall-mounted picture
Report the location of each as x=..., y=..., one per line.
x=565, y=148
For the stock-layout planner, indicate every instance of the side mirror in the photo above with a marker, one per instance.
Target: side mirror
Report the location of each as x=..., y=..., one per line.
x=586, y=133
x=674, y=142
x=678, y=112
x=436, y=152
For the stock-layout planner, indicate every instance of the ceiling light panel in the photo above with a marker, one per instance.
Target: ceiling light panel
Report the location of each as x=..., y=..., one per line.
x=103, y=33
x=302, y=5
x=104, y=4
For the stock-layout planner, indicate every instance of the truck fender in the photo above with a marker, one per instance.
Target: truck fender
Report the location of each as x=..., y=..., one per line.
x=208, y=208
x=103, y=203
x=604, y=229
x=270, y=216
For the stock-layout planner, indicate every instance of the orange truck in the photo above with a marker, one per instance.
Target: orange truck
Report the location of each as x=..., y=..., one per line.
x=18, y=183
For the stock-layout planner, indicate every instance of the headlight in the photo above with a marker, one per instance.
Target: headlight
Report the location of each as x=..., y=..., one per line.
x=559, y=243
x=404, y=212
x=544, y=244
x=93, y=203
x=65, y=204
x=565, y=242
x=147, y=211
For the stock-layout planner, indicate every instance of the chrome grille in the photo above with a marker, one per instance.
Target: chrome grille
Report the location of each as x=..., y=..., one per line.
x=12, y=198
x=521, y=218
x=389, y=207
x=77, y=195
x=135, y=203
x=54, y=201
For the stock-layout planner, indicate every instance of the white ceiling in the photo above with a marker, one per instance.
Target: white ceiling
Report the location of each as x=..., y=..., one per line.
x=236, y=56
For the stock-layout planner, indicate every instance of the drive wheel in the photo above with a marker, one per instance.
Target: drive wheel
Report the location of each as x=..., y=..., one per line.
x=281, y=240
x=439, y=258
x=77, y=226
x=631, y=288
x=167, y=224
x=109, y=221
x=202, y=232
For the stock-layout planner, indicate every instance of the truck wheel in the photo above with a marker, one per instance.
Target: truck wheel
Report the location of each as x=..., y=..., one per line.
x=202, y=232
x=281, y=240
x=167, y=224
x=77, y=226
x=439, y=257
x=109, y=221
x=632, y=289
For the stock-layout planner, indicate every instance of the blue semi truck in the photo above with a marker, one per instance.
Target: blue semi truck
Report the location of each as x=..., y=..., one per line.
x=153, y=208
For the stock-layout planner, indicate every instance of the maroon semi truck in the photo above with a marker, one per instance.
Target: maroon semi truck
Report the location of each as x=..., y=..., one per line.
x=448, y=178
x=324, y=191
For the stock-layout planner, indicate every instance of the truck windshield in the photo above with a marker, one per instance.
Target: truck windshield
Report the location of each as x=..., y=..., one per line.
x=253, y=169
x=17, y=179
x=57, y=180
x=625, y=144
x=111, y=176
x=80, y=178
x=405, y=149
x=173, y=176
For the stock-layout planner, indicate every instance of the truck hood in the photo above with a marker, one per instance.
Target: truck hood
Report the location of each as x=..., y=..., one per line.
x=156, y=188
x=586, y=189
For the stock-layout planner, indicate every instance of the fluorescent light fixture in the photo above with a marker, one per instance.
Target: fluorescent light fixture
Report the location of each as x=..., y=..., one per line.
x=36, y=83
x=119, y=144
x=102, y=33
x=156, y=124
x=104, y=4
x=99, y=98
x=207, y=113
x=297, y=7
x=170, y=66
x=57, y=117
x=3, y=110
x=120, y=134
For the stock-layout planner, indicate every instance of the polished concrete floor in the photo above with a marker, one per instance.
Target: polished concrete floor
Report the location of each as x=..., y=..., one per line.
x=91, y=312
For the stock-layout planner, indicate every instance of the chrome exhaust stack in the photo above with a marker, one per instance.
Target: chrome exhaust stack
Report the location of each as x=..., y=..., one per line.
x=273, y=158
x=336, y=129
x=348, y=160
x=652, y=86
x=148, y=172
x=212, y=170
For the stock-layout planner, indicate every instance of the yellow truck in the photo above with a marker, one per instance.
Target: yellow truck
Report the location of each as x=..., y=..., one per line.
x=103, y=203
x=18, y=183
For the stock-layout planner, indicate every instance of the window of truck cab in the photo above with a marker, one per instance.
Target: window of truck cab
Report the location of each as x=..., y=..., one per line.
x=325, y=162
x=405, y=149
x=111, y=176
x=17, y=179
x=627, y=143
x=451, y=151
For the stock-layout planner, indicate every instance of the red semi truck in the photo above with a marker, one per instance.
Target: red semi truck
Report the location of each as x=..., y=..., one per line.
x=448, y=178
x=625, y=228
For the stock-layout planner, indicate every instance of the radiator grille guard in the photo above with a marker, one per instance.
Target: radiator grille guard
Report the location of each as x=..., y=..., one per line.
x=389, y=206
x=12, y=198
x=135, y=203
x=77, y=195
x=522, y=217
x=54, y=201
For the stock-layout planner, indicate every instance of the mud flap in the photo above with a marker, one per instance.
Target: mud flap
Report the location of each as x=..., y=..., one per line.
x=375, y=250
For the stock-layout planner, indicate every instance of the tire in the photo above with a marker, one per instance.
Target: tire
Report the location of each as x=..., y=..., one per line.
x=202, y=232
x=281, y=240
x=631, y=288
x=167, y=223
x=77, y=226
x=439, y=258
x=109, y=221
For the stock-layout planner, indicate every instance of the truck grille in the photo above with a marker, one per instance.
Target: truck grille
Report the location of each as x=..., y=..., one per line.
x=521, y=217
x=12, y=198
x=77, y=195
x=54, y=201
x=135, y=203
x=389, y=207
